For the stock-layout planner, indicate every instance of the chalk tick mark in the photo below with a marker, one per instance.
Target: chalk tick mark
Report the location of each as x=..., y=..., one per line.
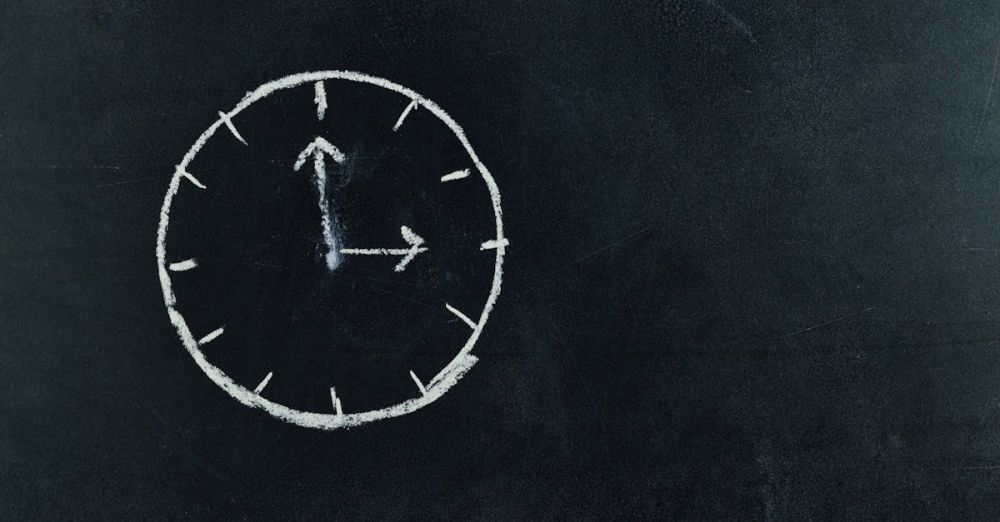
x=494, y=244
x=187, y=175
x=181, y=266
x=336, y=401
x=232, y=128
x=320, y=100
x=461, y=316
x=423, y=391
x=260, y=387
x=213, y=335
x=458, y=174
x=406, y=112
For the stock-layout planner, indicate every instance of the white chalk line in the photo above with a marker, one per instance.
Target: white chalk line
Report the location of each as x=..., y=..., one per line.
x=192, y=179
x=458, y=174
x=441, y=383
x=332, y=245
x=260, y=387
x=423, y=391
x=406, y=112
x=317, y=149
x=449, y=376
x=320, y=100
x=414, y=241
x=213, y=335
x=437, y=387
x=336, y=401
x=409, y=253
x=461, y=316
x=181, y=266
x=494, y=243
x=377, y=251
x=232, y=128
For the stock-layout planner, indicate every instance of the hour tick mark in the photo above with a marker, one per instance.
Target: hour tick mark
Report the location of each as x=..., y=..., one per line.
x=336, y=401
x=320, y=100
x=406, y=112
x=458, y=174
x=461, y=316
x=260, y=387
x=494, y=244
x=181, y=266
x=211, y=336
x=232, y=128
x=191, y=178
x=423, y=391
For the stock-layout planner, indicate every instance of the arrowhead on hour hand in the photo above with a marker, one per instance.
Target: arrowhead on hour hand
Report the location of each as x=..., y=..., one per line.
x=414, y=241
x=410, y=237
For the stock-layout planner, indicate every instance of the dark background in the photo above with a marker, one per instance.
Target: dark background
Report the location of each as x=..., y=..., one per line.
x=752, y=275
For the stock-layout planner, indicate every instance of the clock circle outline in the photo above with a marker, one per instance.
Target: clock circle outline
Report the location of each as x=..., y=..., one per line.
x=437, y=386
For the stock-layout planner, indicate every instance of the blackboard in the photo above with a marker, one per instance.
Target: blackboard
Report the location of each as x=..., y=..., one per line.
x=750, y=262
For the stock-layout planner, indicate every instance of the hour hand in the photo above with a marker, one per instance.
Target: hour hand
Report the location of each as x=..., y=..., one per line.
x=408, y=254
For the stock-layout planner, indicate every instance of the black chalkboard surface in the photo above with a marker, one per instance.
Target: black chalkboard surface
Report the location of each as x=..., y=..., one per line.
x=749, y=254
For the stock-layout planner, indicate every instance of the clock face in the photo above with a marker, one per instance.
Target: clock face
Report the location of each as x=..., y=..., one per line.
x=330, y=250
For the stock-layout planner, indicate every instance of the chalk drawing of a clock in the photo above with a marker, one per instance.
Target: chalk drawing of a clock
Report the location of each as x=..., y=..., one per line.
x=330, y=250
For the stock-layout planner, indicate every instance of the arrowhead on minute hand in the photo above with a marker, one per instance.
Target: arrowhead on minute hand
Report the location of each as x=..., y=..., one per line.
x=317, y=148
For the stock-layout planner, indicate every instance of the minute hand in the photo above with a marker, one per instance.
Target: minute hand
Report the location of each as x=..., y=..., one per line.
x=408, y=254
x=317, y=150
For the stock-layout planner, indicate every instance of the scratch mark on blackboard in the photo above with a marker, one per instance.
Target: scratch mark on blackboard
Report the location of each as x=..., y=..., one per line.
x=608, y=246
x=827, y=323
x=388, y=54
x=128, y=181
x=299, y=458
x=179, y=440
x=740, y=25
x=972, y=468
x=859, y=506
x=76, y=167
x=766, y=466
x=563, y=344
x=989, y=94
